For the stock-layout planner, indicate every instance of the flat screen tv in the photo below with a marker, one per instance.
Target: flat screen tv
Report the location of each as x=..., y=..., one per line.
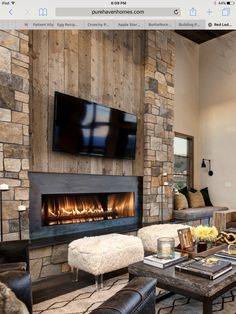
x=88, y=128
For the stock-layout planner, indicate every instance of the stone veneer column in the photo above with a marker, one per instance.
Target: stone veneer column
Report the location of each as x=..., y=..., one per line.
x=14, y=129
x=158, y=124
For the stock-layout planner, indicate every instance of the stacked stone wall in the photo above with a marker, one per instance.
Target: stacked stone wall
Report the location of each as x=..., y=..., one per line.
x=158, y=125
x=14, y=130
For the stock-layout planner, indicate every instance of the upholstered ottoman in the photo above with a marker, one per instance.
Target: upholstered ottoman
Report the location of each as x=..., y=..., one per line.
x=102, y=254
x=150, y=234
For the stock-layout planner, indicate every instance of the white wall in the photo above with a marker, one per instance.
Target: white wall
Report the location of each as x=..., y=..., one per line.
x=186, y=77
x=217, y=99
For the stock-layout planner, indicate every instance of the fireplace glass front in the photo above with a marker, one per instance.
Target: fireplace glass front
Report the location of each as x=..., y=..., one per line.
x=59, y=209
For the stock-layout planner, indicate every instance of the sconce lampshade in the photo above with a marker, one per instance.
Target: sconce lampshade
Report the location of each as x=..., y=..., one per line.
x=203, y=164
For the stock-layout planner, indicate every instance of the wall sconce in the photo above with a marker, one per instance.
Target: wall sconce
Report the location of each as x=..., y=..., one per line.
x=203, y=165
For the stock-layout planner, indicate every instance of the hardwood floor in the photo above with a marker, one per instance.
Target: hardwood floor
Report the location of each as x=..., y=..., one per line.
x=52, y=287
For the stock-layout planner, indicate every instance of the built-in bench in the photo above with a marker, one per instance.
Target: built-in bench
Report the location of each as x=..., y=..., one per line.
x=200, y=213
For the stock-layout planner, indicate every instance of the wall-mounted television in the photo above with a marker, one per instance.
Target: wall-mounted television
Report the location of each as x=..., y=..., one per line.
x=85, y=127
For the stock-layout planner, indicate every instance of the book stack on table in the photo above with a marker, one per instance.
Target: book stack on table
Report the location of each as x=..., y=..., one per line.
x=210, y=267
x=226, y=255
x=153, y=260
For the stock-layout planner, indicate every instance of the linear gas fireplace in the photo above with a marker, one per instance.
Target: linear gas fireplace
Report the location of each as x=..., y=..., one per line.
x=80, y=205
x=59, y=209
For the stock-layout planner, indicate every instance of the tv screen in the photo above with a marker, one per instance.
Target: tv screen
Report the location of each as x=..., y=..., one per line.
x=88, y=128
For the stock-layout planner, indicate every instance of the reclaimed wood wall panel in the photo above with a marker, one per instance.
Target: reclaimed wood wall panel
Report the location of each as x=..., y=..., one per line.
x=138, y=84
x=39, y=101
x=102, y=66
x=56, y=61
x=118, y=88
x=84, y=84
x=71, y=85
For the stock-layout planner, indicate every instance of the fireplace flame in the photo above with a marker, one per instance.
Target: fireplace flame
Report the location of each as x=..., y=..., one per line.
x=85, y=208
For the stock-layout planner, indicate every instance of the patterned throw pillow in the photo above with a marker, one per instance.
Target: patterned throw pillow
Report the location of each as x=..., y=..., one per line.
x=196, y=199
x=180, y=201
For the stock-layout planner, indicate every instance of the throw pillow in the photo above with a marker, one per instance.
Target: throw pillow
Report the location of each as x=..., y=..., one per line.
x=196, y=199
x=206, y=197
x=180, y=201
x=185, y=191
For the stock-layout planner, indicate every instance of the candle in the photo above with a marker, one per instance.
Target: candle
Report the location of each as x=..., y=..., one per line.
x=21, y=208
x=165, y=183
x=4, y=187
x=166, y=249
x=164, y=174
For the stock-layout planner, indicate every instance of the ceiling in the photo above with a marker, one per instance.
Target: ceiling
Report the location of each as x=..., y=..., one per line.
x=201, y=36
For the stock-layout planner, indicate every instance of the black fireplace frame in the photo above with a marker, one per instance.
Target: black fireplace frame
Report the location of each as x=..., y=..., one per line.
x=62, y=183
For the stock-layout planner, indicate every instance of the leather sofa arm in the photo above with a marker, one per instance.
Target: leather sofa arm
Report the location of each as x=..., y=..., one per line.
x=137, y=297
x=12, y=266
x=15, y=251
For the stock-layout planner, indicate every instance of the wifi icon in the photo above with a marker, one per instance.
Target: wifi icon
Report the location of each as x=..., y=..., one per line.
x=13, y=2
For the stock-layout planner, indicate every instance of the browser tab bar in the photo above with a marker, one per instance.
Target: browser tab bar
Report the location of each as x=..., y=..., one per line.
x=166, y=14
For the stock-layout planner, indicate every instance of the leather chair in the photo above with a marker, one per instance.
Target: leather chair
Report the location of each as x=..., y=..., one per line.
x=15, y=251
x=138, y=297
x=14, y=269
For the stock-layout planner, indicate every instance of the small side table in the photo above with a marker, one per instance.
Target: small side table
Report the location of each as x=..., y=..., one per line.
x=221, y=217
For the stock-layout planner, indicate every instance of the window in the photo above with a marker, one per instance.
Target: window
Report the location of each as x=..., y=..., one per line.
x=183, y=161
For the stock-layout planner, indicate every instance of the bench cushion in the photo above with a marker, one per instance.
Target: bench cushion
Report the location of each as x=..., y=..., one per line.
x=196, y=213
x=105, y=253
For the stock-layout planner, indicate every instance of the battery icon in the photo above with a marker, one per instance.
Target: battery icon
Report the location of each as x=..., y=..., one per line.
x=230, y=3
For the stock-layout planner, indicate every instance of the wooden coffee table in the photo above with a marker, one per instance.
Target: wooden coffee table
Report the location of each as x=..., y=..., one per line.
x=198, y=288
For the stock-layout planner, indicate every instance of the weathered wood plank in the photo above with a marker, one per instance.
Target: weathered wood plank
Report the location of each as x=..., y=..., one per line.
x=39, y=98
x=71, y=84
x=106, y=46
x=108, y=68
x=118, y=93
x=138, y=98
x=96, y=86
x=84, y=64
x=128, y=86
x=56, y=83
x=84, y=84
